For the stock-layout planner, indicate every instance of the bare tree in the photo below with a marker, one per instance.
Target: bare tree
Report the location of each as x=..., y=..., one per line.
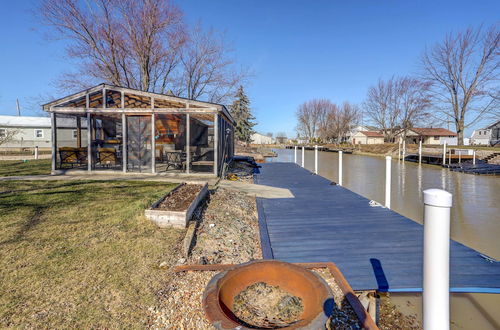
x=123, y=42
x=311, y=117
x=281, y=137
x=144, y=45
x=7, y=135
x=411, y=101
x=379, y=108
x=207, y=71
x=398, y=104
x=465, y=70
x=349, y=115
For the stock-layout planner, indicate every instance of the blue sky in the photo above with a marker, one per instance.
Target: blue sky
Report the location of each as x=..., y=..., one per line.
x=298, y=50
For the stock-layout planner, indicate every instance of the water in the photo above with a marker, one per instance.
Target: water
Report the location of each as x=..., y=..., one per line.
x=475, y=218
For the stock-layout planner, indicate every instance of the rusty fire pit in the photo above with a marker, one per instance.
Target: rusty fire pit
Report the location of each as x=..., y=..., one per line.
x=314, y=292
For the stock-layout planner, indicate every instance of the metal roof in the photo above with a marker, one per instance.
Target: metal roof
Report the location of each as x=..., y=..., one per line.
x=36, y=122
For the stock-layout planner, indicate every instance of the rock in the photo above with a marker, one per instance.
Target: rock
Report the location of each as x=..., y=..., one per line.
x=181, y=261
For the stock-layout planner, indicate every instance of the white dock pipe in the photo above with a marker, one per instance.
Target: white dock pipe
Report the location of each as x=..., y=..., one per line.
x=340, y=167
x=420, y=152
x=295, y=155
x=404, y=149
x=303, y=155
x=315, y=159
x=473, y=157
x=444, y=153
x=388, y=181
x=36, y=152
x=436, y=276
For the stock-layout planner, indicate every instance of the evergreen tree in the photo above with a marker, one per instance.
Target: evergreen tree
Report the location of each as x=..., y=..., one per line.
x=242, y=114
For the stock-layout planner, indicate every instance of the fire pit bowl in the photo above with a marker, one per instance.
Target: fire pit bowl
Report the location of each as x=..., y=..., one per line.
x=316, y=295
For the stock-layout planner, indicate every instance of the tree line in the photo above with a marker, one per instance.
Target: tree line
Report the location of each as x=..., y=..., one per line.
x=458, y=82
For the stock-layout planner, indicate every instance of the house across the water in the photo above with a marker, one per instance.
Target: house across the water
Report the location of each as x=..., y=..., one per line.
x=430, y=135
x=486, y=136
x=368, y=137
x=142, y=132
x=258, y=138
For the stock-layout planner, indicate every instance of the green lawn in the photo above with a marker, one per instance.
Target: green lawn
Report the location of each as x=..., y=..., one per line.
x=30, y=167
x=80, y=254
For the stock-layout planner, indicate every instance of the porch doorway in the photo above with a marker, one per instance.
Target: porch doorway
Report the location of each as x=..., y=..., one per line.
x=139, y=150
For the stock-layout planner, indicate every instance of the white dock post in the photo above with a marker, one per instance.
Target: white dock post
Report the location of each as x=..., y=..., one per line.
x=340, y=167
x=388, y=181
x=459, y=156
x=315, y=159
x=295, y=155
x=444, y=153
x=436, y=276
x=303, y=156
x=449, y=158
x=420, y=152
x=473, y=157
x=404, y=149
x=36, y=152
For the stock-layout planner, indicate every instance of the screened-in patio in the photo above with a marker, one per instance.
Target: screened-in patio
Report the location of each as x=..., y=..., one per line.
x=127, y=130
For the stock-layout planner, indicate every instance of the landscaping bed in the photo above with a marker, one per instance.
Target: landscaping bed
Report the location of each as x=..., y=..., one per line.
x=228, y=231
x=181, y=198
x=176, y=208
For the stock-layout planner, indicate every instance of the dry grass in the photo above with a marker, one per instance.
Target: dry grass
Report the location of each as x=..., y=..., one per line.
x=30, y=167
x=80, y=254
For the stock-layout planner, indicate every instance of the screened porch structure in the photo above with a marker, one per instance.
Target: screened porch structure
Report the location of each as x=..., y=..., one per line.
x=132, y=131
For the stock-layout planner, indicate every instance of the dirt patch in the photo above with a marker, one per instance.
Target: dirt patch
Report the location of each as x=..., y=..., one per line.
x=265, y=306
x=180, y=198
x=228, y=232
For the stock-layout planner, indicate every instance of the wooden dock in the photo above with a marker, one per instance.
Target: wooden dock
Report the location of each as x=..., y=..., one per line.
x=374, y=247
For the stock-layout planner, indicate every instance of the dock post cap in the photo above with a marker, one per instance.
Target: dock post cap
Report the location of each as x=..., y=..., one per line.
x=388, y=157
x=437, y=197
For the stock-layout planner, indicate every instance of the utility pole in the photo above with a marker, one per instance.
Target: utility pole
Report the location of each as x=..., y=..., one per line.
x=18, y=108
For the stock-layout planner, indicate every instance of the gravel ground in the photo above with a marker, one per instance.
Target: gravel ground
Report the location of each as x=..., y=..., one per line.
x=392, y=319
x=229, y=230
x=181, y=306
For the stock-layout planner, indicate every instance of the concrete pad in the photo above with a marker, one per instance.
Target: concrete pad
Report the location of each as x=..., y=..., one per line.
x=257, y=190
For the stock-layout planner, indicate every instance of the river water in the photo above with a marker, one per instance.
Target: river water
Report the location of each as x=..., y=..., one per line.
x=475, y=216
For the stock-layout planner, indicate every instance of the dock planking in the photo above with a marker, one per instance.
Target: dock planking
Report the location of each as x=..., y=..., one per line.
x=374, y=247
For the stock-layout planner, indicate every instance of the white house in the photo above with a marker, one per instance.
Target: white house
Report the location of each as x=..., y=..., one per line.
x=28, y=132
x=356, y=129
x=258, y=138
x=486, y=136
x=481, y=137
x=368, y=137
